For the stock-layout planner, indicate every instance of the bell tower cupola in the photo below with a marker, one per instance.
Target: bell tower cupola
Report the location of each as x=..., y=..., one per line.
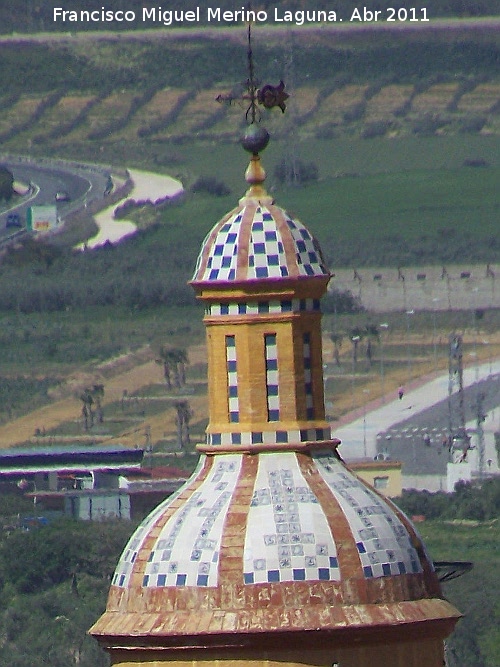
x=261, y=274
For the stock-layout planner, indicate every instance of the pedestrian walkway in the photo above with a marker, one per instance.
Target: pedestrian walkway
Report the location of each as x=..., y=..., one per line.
x=358, y=430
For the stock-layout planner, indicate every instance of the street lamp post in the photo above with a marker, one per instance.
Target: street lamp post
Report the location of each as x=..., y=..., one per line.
x=409, y=313
x=355, y=340
x=366, y=392
x=487, y=342
x=434, y=342
x=383, y=326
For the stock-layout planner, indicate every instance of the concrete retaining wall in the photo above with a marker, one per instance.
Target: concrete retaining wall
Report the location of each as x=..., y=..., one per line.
x=459, y=287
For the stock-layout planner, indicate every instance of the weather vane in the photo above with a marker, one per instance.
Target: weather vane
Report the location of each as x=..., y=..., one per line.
x=268, y=96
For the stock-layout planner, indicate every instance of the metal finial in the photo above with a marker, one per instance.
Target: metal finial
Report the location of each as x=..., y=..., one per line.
x=251, y=83
x=268, y=96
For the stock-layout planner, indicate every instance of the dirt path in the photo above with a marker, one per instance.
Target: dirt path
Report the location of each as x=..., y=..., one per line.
x=49, y=416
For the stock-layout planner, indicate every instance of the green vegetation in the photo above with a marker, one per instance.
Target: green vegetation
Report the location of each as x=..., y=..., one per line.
x=54, y=581
x=465, y=526
x=404, y=142
x=53, y=586
x=6, y=184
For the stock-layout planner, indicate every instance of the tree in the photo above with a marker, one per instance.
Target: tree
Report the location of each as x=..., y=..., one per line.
x=182, y=419
x=336, y=339
x=372, y=334
x=97, y=394
x=87, y=409
x=6, y=184
x=174, y=361
x=355, y=336
x=181, y=361
x=306, y=172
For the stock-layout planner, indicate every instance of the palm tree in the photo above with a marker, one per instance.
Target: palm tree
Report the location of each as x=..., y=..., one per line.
x=98, y=395
x=372, y=334
x=182, y=419
x=182, y=361
x=165, y=360
x=87, y=411
x=174, y=361
x=355, y=336
x=336, y=339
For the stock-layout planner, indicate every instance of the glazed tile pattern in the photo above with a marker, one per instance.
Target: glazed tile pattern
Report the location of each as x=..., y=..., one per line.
x=223, y=258
x=382, y=541
x=267, y=257
x=309, y=257
x=186, y=552
x=275, y=246
x=288, y=537
x=308, y=376
x=232, y=380
x=263, y=307
x=123, y=570
x=272, y=383
x=268, y=437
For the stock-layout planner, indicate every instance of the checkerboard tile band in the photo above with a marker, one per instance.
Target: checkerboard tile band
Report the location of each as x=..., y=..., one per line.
x=232, y=381
x=383, y=543
x=263, y=307
x=268, y=437
x=272, y=381
x=288, y=537
x=308, y=376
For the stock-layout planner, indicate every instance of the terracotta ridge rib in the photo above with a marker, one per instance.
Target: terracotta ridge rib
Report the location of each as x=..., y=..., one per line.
x=347, y=552
x=287, y=239
x=234, y=530
x=207, y=246
x=244, y=241
x=147, y=546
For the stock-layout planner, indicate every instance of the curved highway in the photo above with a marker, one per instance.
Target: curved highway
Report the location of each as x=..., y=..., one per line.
x=82, y=185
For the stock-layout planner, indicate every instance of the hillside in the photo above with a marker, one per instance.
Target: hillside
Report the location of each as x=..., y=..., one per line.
x=81, y=95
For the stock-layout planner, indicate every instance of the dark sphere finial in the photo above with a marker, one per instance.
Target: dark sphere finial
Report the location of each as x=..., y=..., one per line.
x=255, y=139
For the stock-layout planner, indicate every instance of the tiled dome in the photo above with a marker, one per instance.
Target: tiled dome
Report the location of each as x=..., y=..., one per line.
x=249, y=539
x=273, y=542
x=257, y=242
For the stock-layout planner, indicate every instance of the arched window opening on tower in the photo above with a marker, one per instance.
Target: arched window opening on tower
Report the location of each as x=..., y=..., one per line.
x=306, y=339
x=233, y=403
x=272, y=385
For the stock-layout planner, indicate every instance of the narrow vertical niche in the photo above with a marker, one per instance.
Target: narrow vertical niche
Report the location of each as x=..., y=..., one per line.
x=272, y=383
x=308, y=386
x=233, y=403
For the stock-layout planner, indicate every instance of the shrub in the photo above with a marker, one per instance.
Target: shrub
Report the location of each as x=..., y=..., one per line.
x=376, y=129
x=211, y=186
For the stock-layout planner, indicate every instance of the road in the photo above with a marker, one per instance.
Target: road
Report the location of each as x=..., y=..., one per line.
x=398, y=427
x=82, y=185
x=406, y=441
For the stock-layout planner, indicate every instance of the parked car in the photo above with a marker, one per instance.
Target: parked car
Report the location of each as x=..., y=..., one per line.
x=62, y=196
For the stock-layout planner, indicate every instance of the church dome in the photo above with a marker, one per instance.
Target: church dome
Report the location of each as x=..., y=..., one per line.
x=255, y=242
x=258, y=241
x=273, y=544
x=285, y=542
